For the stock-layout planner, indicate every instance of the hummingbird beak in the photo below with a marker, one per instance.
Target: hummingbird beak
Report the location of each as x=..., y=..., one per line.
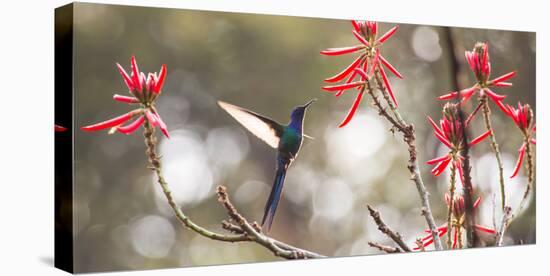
x=309, y=103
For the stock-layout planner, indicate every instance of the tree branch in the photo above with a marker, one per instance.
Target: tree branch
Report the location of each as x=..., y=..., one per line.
x=409, y=137
x=468, y=189
x=385, y=248
x=503, y=225
x=245, y=231
x=395, y=236
x=495, y=146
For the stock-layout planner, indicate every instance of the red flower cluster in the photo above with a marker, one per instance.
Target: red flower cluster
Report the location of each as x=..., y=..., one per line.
x=144, y=91
x=451, y=134
x=458, y=217
x=366, y=33
x=523, y=118
x=478, y=59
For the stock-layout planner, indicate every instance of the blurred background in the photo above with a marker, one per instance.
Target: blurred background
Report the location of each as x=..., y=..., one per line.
x=270, y=64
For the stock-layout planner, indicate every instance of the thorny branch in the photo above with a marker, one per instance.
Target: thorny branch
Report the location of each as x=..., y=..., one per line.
x=395, y=236
x=409, y=137
x=468, y=189
x=244, y=231
x=451, y=206
x=385, y=248
x=504, y=223
x=484, y=102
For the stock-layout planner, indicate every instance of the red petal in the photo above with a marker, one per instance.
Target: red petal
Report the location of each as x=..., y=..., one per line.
x=362, y=73
x=135, y=74
x=388, y=34
x=486, y=67
x=387, y=83
x=467, y=93
x=162, y=126
x=342, y=86
x=438, y=159
x=443, y=140
x=455, y=238
x=441, y=167
x=361, y=38
x=477, y=202
x=484, y=229
x=504, y=77
x=448, y=96
x=520, y=160
x=495, y=97
x=356, y=25
x=533, y=141
x=503, y=84
x=125, y=99
x=131, y=127
x=151, y=118
x=341, y=51
x=501, y=106
x=352, y=109
x=126, y=78
x=351, y=77
x=479, y=138
x=345, y=72
x=112, y=122
x=390, y=67
x=160, y=82
x=434, y=126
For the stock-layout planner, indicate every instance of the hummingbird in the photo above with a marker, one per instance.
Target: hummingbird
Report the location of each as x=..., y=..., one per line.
x=286, y=139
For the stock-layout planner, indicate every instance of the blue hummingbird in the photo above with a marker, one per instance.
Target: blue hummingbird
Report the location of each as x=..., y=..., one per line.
x=287, y=139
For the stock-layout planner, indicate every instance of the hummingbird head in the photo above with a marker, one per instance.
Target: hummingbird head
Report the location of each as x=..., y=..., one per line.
x=299, y=111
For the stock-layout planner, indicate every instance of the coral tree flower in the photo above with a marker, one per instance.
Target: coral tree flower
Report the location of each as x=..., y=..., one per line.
x=364, y=66
x=524, y=120
x=144, y=91
x=478, y=60
x=450, y=133
x=458, y=218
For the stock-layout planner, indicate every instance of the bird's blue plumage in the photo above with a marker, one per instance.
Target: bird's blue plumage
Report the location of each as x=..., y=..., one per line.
x=288, y=140
x=276, y=192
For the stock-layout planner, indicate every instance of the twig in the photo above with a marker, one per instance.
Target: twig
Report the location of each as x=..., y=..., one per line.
x=494, y=205
x=385, y=248
x=451, y=206
x=247, y=232
x=495, y=146
x=420, y=245
x=503, y=225
x=473, y=114
x=409, y=137
x=277, y=247
x=395, y=236
x=471, y=234
x=530, y=164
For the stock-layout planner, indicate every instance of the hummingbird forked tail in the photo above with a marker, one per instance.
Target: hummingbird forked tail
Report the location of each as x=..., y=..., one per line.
x=275, y=195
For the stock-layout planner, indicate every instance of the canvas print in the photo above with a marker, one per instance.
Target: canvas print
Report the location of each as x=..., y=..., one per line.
x=189, y=138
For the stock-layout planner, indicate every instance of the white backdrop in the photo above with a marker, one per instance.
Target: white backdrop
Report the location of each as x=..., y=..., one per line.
x=26, y=157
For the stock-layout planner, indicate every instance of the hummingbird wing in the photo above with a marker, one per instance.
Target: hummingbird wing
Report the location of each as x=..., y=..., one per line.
x=264, y=128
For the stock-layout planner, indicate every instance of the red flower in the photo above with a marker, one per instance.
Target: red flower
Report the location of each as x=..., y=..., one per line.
x=450, y=133
x=366, y=33
x=59, y=128
x=523, y=118
x=459, y=210
x=478, y=60
x=144, y=91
